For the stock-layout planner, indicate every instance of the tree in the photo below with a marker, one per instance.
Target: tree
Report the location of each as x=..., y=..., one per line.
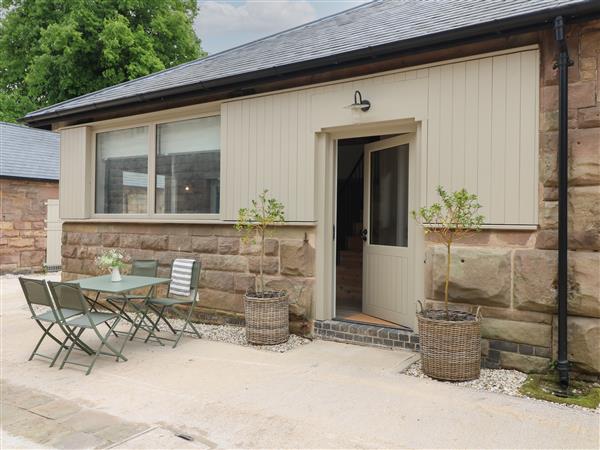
x=453, y=219
x=54, y=50
x=255, y=222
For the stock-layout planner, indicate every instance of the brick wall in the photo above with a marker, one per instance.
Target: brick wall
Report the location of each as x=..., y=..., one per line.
x=229, y=266
x=513, y=274
x=22, y=233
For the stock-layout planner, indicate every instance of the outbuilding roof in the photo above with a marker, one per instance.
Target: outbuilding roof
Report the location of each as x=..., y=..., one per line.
x=28, y=152
x=366, y=30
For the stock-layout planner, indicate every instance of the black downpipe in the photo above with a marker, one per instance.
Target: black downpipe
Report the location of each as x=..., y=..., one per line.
x=562, y=64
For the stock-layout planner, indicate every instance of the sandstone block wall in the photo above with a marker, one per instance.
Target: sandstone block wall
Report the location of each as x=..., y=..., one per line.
x=229, y=266
x=22, y=229
x=513, y=275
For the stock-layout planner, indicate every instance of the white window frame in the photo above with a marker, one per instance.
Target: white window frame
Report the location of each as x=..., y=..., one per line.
x=151, y=194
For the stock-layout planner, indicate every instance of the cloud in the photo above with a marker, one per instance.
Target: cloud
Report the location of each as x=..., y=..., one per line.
x=256, y=17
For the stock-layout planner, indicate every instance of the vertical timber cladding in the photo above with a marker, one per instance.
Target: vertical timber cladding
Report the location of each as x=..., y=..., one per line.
x=481, y=134
x=75, y=173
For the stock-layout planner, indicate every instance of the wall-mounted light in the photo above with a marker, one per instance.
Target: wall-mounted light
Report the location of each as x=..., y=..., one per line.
x=359, y=103
x=187, y=188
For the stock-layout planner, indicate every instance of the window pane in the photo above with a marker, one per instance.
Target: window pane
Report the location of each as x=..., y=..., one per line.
x=188, y=166
x=122, y=171
x=389, y=197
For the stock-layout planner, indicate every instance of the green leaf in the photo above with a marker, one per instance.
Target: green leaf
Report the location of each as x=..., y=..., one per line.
x=54, y=50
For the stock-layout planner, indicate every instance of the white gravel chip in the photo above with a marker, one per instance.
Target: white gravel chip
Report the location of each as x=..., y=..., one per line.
x=503, y=381
x=233, y=334
x=493, y=380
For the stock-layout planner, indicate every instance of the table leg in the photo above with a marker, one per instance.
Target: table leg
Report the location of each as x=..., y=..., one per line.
x=138, y=321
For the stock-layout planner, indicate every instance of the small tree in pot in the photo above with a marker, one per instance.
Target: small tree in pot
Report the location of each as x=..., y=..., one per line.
x=266, y=311
x=450, y=340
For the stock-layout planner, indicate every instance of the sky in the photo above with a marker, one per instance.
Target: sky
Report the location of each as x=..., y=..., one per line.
x=223, y=24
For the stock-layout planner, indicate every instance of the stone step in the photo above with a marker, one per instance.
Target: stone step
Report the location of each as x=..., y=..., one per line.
x=369, y=335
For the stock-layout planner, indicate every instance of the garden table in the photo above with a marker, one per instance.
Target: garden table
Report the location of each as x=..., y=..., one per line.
x=104, y=284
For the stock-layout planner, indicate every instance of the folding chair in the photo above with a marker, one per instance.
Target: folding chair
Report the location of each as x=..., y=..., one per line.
x=36, y=294
x=141, y=268
x=69, y=296
x=169, y=303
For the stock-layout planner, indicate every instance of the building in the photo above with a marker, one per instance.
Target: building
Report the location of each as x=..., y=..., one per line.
x=460, y=94
x=29, y=170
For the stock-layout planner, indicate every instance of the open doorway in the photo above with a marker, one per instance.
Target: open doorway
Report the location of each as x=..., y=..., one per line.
x=352, y=235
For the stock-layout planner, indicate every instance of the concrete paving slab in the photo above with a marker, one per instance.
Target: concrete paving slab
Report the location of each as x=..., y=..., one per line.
x=119, y=432
x=11, y=442
x=10, y=414
x=25, y=399
x=56, y=409
x=160, y=438
x=89, y=421
x=36, y=428
x=78, y=440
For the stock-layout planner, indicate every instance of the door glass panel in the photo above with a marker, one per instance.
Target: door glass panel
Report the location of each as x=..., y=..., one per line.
x=389, y=197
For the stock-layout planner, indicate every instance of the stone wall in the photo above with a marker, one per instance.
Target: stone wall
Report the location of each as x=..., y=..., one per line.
x=229, y=266
x=513, y=275
x=22, y=230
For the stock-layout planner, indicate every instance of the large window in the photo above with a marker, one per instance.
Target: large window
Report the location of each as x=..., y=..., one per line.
x=184, y=168
x=122, y=171
x=188, y=164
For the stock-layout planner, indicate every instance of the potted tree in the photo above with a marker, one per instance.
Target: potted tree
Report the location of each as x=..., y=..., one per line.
x=266, y=311
x=450, y=340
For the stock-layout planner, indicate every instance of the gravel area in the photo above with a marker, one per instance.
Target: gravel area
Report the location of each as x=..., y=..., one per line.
x=493, y=380
x=503, y=381
x=233, y=334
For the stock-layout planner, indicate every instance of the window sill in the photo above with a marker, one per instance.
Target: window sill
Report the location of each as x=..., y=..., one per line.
x=172, y=220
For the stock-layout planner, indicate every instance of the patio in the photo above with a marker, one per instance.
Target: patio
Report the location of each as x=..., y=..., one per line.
x=324, y=395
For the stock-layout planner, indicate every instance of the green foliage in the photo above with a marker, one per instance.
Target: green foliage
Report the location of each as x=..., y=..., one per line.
x=54, y=50
x=255, y=223
x=111, y=259
x=456, y=216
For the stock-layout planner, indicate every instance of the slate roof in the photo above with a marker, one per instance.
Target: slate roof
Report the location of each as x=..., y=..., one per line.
x=28, y=152
x=366, y=27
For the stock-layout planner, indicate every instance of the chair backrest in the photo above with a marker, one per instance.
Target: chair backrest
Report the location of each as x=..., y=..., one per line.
x=195, y=281
x=144, y=267
x=36, y=292
x=68, y=295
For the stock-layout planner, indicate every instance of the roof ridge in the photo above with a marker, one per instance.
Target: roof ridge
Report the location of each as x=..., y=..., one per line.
x=208, y=57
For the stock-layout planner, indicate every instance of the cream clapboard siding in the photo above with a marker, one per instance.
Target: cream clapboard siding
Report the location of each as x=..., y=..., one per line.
x=482, y=131
x=75, y=174
x=481, y=134
x=267, y=143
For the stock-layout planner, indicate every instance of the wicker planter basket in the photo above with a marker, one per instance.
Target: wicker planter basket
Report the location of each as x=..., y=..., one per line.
x=450, y=350
x=267, y=319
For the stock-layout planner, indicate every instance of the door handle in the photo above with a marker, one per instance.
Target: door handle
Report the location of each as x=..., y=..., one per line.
x=363, y=234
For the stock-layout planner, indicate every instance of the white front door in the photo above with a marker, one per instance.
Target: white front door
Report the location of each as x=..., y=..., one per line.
x=388, y=271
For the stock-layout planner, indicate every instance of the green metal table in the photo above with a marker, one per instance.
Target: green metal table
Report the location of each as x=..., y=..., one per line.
x=104, y=285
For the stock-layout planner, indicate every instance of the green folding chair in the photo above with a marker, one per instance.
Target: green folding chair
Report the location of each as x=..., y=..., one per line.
x=169, y=304
x=69, y=296
x=37, y=296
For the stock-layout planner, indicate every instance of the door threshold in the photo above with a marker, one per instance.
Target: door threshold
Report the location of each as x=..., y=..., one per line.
x=350, y=332
x=378, y=324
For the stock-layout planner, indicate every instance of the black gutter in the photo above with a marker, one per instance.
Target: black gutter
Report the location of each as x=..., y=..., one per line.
x=586, y=10
x=563, y=64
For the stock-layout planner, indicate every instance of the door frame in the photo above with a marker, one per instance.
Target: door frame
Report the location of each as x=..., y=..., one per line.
x=323, y=306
